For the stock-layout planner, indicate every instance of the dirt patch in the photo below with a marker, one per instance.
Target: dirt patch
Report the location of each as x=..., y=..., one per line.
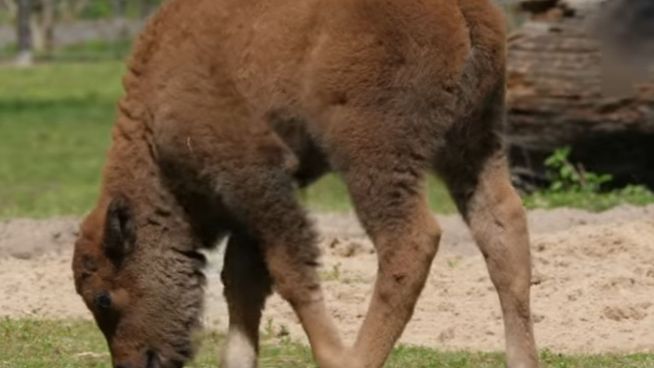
x=593, y=282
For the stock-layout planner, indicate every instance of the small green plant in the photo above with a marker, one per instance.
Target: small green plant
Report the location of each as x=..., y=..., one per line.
x=453, y=262
x=334, y=274
x=269, y=329
x=572, y=186
x=568, y=177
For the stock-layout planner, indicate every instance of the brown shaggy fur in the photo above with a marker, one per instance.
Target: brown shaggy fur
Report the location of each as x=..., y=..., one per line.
x=231, y=104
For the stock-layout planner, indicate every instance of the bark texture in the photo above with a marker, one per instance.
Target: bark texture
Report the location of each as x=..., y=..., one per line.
x=566, y=87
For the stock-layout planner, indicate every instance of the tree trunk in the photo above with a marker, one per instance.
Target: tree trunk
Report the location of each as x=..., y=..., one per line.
x=560, y=94
x=11, y=7
x=48, y=21
x=23, y=32
x=120, y=17
x=42, y=19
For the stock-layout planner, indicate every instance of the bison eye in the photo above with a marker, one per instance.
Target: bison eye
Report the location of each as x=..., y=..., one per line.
x=103, y=300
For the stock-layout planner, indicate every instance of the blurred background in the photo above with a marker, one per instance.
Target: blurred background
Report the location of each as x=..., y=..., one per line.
x=580, y=121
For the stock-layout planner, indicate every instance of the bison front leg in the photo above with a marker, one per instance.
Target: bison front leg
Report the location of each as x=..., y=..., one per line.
x=250, y=171
x=247, y=285
x=261, y=198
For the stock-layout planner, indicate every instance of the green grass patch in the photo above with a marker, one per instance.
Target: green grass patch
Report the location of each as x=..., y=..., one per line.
x=634, y=195
x=573, y=186
x=105, y=9
x=8, y=51
x=78, y=344
x=92, y=50
x=86, y=51
x=55, y=123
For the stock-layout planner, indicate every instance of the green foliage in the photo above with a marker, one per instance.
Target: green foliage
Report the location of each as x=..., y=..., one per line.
x=97, y=10
x=79, y=344
x=566, y=177
x=572, y=186
x=333, y=274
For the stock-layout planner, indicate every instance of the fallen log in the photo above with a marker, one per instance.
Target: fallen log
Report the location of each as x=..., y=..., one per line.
x=565, y=88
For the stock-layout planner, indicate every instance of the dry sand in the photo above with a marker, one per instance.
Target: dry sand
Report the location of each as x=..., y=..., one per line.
x=593, y=282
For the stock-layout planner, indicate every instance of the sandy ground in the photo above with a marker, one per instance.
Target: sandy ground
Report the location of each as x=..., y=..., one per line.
x=593, y=286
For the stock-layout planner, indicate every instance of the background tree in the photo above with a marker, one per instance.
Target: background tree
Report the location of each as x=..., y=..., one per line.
x=23, y=32
x=120, y=16
x=71, y=9
x=42, y=23
x=10, y=6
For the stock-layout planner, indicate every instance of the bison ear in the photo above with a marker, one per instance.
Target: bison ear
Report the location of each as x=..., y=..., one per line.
x=119, y=232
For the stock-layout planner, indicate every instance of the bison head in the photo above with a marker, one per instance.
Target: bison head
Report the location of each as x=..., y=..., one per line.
x=142, y=280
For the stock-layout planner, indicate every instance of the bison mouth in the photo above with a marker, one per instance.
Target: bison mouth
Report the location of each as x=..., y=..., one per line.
x=155, y=360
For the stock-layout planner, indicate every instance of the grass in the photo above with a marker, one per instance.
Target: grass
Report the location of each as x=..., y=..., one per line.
x=54, y=129
x=634, y=195
x=92, y=50
x=55, y=122
x=73, y=344
x=86, y=51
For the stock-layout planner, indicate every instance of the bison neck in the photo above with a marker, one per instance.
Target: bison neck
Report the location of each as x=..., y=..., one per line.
x=159, y=197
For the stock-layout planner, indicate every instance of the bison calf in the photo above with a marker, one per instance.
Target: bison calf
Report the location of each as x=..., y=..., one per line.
x=230, y=105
